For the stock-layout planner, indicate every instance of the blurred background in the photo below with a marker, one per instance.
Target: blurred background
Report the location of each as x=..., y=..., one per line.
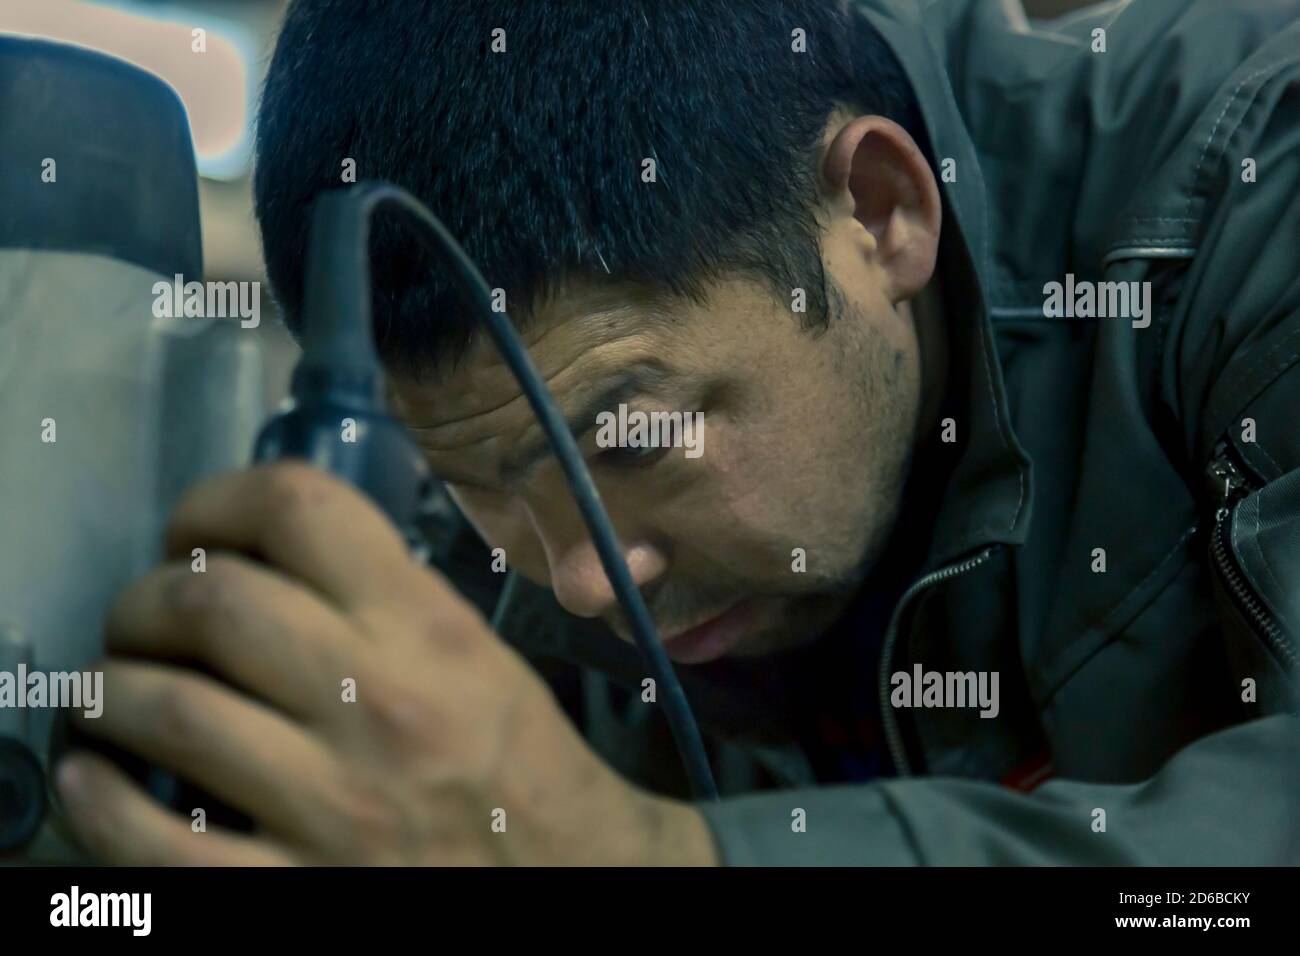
x=220, y=90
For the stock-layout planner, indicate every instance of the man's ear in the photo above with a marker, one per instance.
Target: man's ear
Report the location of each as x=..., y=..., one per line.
x=874, y=164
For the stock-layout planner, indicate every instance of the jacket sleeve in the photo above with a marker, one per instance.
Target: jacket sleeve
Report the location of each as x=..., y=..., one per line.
x=1230, y=799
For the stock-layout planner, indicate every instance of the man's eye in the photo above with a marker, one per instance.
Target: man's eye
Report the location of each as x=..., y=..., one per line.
x=631, y=456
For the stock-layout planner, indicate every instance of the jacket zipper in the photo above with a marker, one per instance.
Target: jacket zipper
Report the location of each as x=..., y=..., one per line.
x=893, y=736
x=1230, y=483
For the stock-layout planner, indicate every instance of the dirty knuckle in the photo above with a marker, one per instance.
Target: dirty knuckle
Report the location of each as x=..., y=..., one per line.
x=403, y=715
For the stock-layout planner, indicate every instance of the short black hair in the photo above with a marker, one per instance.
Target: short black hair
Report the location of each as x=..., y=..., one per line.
x=533, y=157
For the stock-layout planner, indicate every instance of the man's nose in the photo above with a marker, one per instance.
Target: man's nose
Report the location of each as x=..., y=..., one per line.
x=577, y=576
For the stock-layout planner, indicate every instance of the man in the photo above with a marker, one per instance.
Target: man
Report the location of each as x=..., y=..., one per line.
x=968, y=309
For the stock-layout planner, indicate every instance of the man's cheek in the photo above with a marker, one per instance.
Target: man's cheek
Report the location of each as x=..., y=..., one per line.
x=744, y=510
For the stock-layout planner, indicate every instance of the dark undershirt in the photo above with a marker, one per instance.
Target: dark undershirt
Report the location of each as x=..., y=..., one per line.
x=834, y=696
x=833, y=685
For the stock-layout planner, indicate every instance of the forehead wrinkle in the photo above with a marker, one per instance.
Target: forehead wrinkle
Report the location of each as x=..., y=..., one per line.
x=478, y=427
x=529, y=447
x=607, y=319
x=619, y=385
x=448, y=435
x=600, y=330
x=641, y=375
x=456, y=426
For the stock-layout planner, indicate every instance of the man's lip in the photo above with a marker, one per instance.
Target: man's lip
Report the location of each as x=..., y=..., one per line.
x=711, y=639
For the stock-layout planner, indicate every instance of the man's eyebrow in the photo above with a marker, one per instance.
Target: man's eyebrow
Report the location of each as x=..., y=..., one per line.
x=630, y=381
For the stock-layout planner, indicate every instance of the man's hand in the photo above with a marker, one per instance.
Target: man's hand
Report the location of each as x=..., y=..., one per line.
x=306, y=586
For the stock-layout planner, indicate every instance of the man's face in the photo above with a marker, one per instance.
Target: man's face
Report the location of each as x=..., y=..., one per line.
x=806, y=444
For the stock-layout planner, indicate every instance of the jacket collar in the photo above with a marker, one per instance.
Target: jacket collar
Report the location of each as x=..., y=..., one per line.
x=989, y=491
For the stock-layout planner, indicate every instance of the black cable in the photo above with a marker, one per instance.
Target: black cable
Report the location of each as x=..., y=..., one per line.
x=338, y=345
x=503, y=601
